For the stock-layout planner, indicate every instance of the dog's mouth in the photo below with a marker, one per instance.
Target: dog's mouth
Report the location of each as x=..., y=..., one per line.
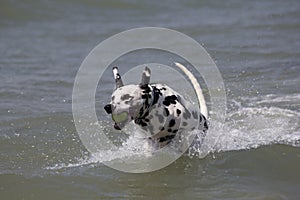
x=117, y=127
x=120, y=120
x=120, y=117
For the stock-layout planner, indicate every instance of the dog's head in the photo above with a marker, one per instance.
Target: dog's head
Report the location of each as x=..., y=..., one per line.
x=127, y=101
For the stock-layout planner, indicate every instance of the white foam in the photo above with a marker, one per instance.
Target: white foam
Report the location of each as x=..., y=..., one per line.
x=247, y=126
x=292, y=99
x=253, y=127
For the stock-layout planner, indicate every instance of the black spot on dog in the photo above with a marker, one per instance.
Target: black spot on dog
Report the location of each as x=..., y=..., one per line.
x=171, y=123
x=157, y=93
x=141, y=111
x=166, y=103
x=169, y=130
x=150, y=128
x=166, y=138
x=118, y=76
x=112, y=98
x=162, y=129
x=170, y=100
x=144, y=96
x=167, y=113
x=142, y=123
x=145, y=87
x=160, y=119
x=126, y=97
x=178, y=112
x=202, y=117
x=186, y=114
x=146, y=114
x=146, y=91
x=205, y=125
x=175, y=131
x=195, y=115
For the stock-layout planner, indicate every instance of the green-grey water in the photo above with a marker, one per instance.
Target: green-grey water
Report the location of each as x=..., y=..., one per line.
x=255, y=45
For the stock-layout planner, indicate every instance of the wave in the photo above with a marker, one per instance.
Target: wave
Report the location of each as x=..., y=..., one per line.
x=254, y=127
x=246, y=127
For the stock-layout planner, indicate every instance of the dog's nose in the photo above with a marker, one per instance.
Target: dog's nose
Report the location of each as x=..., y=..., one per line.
x=117, y=127
x=107, y=108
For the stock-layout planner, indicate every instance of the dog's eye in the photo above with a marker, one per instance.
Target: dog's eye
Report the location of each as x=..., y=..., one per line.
x=120, y=117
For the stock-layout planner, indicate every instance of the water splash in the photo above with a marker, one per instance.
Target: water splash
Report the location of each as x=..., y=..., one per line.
x=253, y=127
x=252, y=123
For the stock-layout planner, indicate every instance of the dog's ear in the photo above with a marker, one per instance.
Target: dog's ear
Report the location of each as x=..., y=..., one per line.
x=107, y=108
x=118, y=79
x=146, y=76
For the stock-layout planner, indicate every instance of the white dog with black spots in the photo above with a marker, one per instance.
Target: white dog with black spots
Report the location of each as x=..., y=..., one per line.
x=157, y=109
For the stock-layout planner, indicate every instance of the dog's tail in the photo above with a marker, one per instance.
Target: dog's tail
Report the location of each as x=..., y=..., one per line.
x=196, y=85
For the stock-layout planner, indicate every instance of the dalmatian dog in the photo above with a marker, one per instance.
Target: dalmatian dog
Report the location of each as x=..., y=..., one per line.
x=156, y=108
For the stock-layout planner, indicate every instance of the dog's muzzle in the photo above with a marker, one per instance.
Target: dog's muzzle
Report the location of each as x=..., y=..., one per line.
x=120, y=120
